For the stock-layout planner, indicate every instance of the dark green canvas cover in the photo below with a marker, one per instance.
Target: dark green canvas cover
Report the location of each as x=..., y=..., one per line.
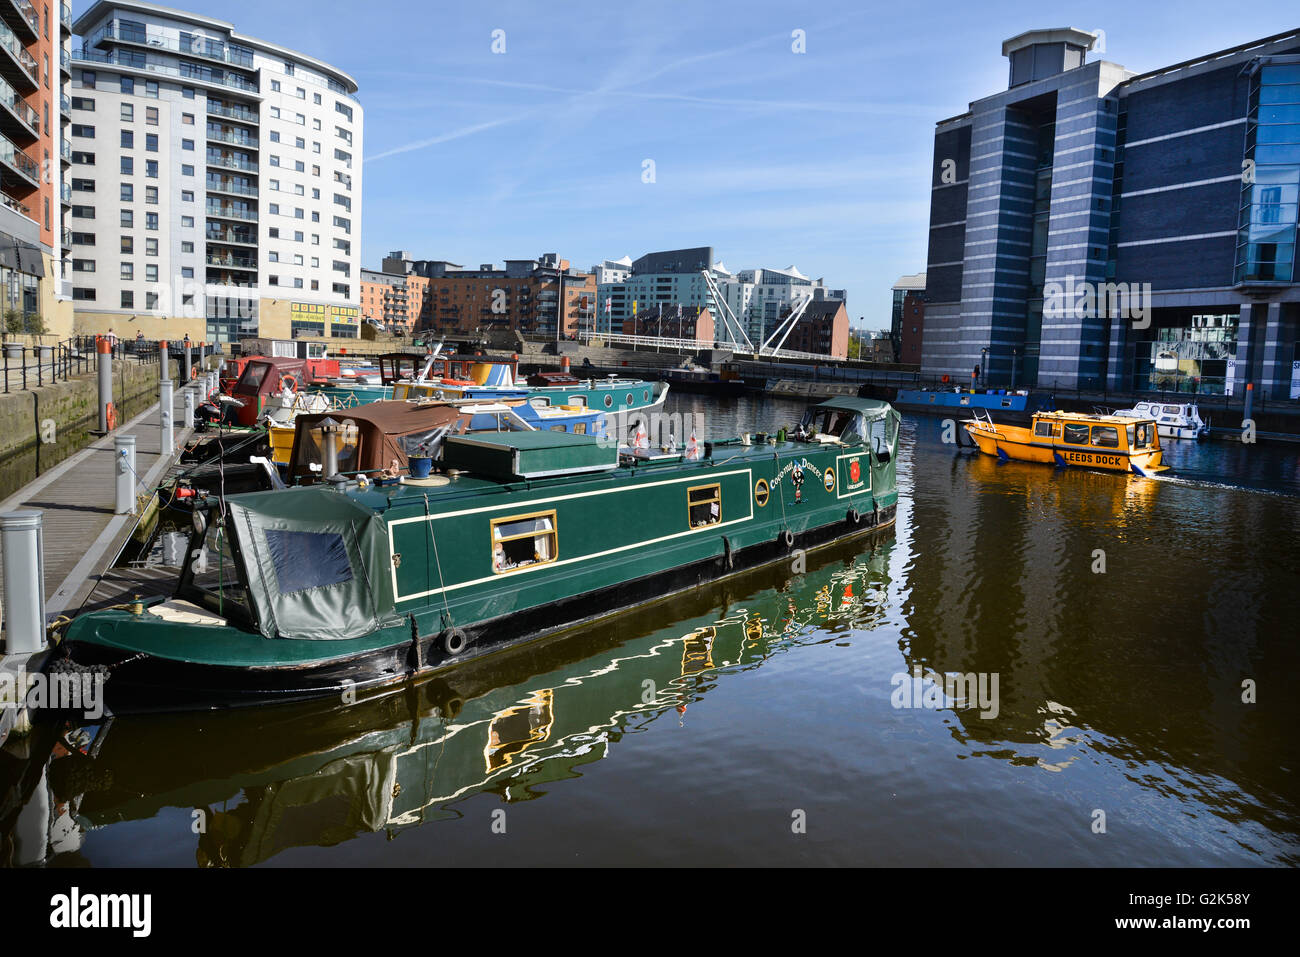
x=317, y=563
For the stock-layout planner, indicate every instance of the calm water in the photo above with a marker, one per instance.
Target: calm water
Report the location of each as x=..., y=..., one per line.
x=701, y=730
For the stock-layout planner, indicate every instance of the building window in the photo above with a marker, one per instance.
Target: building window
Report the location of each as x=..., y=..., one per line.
x=128, y=271
x=127, y=218
x=187, y=170
x=187, y=247
x=151, y=89
x=128, y=112
x=274, y=209
x=83, y=265
x=128, y=85
x=187, y=119
x=151, y=298
x=84, y=294
x=187, y=92
x=151, y=195
x=127, y=244
x=187, y=144
x=151, y=248
x=151, y=142
x=187, y=220
x=274, y=136
x=150, y=220
x=187, y=272
x=83, y=239
x=128, y=300
x=151, y=272
x=83, y=185
x=83, y=103
x=81, y=158
x=83, y=212
x=187, y=196
x=151, y=116
x=128, y=192
x=151, y=169
x=275, y=86
x=88, y=79
x=79, y=129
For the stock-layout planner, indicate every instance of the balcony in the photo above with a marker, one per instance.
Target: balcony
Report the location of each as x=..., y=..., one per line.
x=16, y=64
x=65, y=17
x=232, y=262
x=65, y=105
x=65, y=151
x=8, y=202
x=119, y=32
x=232, y=113
x=233, y=138
x=231, y=211
x=235, y=189
x=17, y=120
x=16, y=159
x=220, y=234
x=231, y=162
x=67, y=238
x=27, y=22
x=229, y=280
x=65, y=194
x=187, y=71
x=65, y=62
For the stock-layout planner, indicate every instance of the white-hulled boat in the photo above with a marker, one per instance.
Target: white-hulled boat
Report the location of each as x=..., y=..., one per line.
x=1174, y=421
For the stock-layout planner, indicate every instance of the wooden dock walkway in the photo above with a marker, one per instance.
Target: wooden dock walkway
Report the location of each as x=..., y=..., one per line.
x=82, y=535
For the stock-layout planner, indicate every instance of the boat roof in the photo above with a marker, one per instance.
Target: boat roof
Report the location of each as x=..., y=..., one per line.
x=871, y=408
x=1088, y=417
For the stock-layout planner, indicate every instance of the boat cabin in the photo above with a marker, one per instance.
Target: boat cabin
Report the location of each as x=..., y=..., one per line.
x=261, y=378
x=1096, y=433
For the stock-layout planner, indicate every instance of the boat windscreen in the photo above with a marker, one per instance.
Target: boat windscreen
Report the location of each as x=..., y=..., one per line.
x=212, y=576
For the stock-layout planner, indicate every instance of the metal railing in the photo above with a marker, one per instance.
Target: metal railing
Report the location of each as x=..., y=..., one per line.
x=234, y=139
x=187, y=72
x=65, y=15
x=26, y=367
x=229, y=236
x=9, y=40
x=230, y=163
x=28, y=11
x=231, y=212
x=232, y=262
x=200, y=47
x=10, y=98
x=19, y=160
x=230, y=112
x=220, y=187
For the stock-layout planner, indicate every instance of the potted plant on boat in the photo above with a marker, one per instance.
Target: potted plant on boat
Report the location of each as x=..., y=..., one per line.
x=420, y=461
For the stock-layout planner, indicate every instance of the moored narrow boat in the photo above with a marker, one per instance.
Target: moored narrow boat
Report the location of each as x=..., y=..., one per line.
x=315, y=590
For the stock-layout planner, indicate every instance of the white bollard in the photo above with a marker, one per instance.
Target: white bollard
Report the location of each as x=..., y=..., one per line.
x=24, y=589
x=124, y=491
x=165, y=411
x=189, y=409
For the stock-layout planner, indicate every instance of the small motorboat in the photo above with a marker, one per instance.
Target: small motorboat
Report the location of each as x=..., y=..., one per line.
x=1175, y=421
x=1112, y=442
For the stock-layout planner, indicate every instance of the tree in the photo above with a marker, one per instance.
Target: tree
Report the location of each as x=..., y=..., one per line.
x=33, y=324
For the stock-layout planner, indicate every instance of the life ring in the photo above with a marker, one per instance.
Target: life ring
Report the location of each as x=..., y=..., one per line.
x=288, y=383
x=110, y=416
x=787, y=537
x=454, y=641
x=855, y=517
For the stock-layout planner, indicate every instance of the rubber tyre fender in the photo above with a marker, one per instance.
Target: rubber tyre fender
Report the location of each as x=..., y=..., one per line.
x=454, y=641
x=787, y=538
x=855, y=517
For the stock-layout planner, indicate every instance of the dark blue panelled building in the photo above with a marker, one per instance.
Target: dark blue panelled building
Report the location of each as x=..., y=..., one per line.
x=1091, y=227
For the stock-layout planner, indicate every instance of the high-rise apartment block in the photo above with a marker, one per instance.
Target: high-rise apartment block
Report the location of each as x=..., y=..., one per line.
x=215, y=181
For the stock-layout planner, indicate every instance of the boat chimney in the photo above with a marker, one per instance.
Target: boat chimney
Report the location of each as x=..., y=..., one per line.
x=329, y=430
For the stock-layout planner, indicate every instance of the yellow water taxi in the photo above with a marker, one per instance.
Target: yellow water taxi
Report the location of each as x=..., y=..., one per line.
x=1113, y=442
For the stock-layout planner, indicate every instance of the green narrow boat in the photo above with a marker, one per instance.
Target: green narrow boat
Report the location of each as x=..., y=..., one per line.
x=324, y=589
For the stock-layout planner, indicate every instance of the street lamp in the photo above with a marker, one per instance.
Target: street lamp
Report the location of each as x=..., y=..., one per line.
x=1013, y=368
x=984, y=366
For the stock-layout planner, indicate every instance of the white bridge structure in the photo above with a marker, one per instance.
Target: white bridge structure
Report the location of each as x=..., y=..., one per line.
x=729, y=333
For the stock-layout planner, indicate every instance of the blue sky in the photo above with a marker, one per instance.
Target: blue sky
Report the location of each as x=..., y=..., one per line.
x=818, y=160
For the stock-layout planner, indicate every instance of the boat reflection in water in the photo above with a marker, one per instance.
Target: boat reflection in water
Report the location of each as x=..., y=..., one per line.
x=261, y=781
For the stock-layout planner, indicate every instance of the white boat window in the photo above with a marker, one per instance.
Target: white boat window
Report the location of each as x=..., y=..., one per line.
x=704, y=505
x=1132, y=432
x=578, y=400
x=1172, y=409
x=523, y=540
x=1042, y=428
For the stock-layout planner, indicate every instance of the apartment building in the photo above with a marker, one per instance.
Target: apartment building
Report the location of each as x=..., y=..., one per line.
x=387, y=298
x=216, y=181
x=522, y=295
x=34, y=154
